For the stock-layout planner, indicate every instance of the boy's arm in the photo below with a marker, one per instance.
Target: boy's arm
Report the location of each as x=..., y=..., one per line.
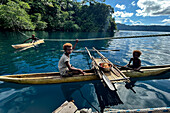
x=129, y=62
x=68, y=65
x=139, y=65
x=73, y=68
x=26, y=40
x=138, y=68
x=75, y=44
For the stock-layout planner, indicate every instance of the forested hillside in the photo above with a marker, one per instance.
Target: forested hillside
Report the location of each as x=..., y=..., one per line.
x=56, y=15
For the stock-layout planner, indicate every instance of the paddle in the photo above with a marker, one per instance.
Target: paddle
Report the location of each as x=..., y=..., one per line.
x=108, y=82
x=103, y=76
x=128, y=68
x=100, y=73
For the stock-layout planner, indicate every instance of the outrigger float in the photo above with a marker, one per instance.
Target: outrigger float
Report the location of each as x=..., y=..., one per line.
x=114, y=75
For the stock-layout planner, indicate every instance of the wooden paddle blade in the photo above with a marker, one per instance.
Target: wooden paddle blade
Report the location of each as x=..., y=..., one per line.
x=108, y=83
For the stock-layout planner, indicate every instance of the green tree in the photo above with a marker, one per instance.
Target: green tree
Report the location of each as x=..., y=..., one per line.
x=36, y=19
x=91, y=1
x=59, y=15
x=71, y=26
x=3, y=1
x=95, y=17
x=13, y=17
x=40, y=25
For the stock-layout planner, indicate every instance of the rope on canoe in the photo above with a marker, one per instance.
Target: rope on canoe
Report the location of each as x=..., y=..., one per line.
x=107, y=38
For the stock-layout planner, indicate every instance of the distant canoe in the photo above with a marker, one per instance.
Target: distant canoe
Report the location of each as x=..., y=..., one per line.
x=54, y=77
x=17, y=46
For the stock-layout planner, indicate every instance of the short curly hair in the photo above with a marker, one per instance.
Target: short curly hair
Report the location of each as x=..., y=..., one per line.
x=138, y=52
x=67, y=45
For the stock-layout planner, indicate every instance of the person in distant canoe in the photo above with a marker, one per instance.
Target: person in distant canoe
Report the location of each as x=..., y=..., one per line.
x=136, y=61
x=65, y=68
x=34, y=39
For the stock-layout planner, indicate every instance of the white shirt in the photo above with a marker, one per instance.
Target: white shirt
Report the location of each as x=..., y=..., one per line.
x=62, y=64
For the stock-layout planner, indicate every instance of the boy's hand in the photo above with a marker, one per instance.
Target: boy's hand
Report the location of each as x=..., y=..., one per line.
x=75, y=44
x=127, y=65
x=77, y=40
x=81, y=71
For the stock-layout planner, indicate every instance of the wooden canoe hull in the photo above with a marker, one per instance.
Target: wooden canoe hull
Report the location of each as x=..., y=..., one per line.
x=48, y=78
x=54, y=77
x=146, y=72
x=17, y=46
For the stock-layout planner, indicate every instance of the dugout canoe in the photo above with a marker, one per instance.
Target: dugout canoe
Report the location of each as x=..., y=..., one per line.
x=17, y=46
x=54, y=77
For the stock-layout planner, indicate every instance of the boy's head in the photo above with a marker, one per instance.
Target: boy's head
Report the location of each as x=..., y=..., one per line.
x=136, y=53
x=68, y=48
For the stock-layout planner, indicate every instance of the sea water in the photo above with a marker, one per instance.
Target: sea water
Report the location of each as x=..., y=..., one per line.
x=19, y=98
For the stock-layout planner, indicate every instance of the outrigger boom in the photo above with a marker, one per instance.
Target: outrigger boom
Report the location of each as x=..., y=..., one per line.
x=110, y=77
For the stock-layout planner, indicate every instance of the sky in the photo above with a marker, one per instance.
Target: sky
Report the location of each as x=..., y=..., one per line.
x=141, y=12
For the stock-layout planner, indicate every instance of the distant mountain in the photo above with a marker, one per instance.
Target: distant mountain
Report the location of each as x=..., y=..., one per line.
x=143, y=27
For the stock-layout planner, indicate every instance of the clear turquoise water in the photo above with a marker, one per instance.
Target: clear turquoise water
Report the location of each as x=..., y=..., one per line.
x=18, y=98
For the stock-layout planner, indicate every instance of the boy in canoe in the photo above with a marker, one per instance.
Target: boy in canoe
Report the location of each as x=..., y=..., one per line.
x=65, y=68
x=136, y=61
x=34, y=39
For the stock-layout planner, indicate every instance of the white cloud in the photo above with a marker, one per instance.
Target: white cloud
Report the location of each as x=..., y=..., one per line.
x=122, y=7
x=153, y=8
x=133, y=3
x=137, y=23
x=128, y=21
x=166, y=21
x=122, y=14
x=131, y=22
x=119, y=20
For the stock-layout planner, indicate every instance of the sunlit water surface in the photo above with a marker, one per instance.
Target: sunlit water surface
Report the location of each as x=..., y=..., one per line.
x=18, y=98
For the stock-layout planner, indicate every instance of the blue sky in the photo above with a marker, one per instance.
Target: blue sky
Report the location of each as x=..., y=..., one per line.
x=141, y=12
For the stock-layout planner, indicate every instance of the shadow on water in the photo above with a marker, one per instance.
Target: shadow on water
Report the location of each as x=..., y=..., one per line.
x=68, y=90
x=105, y=97
x=83, y=94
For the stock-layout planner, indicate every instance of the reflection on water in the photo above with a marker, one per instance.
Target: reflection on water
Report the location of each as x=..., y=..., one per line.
x=147, y=95
x=131, y=85
x=17, y=98
x=46, y=98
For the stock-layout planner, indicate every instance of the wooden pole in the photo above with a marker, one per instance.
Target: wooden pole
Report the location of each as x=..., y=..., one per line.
x=114, y=66
x=81, y=51
x=101, y=73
